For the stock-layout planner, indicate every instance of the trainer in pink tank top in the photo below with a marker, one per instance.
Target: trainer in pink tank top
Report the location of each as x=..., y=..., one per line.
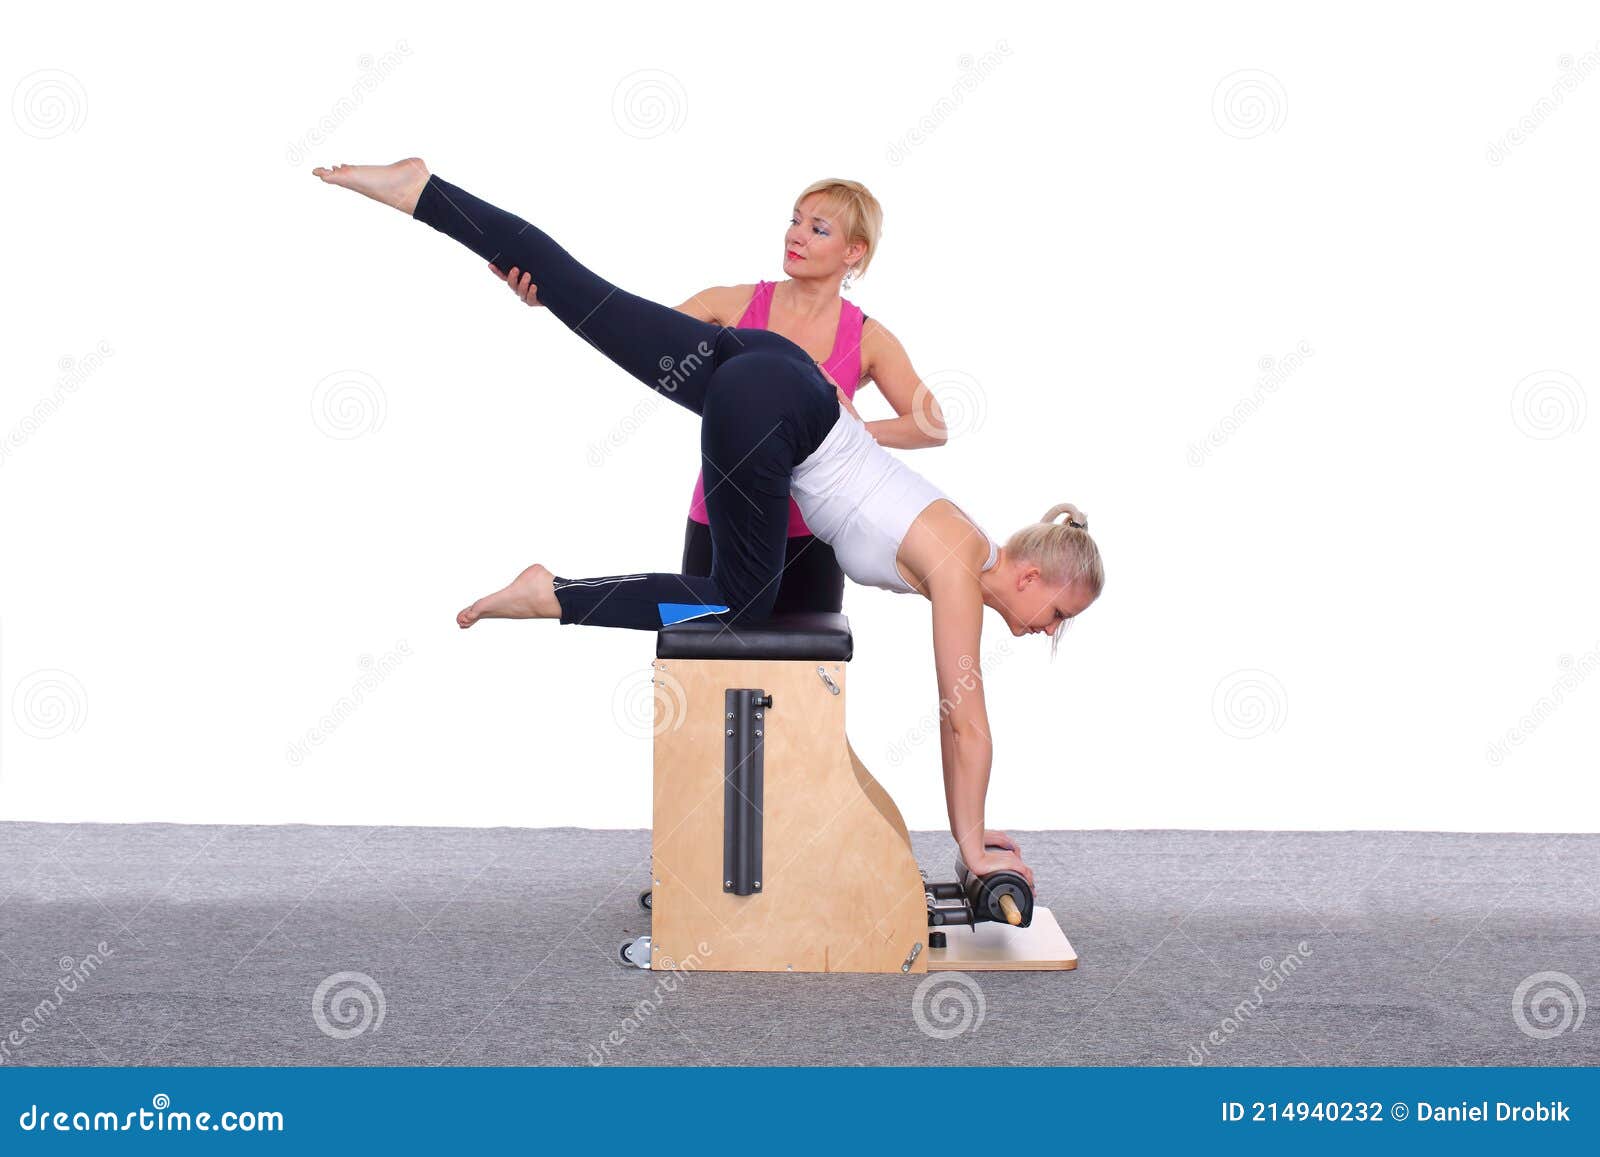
x=844, y=364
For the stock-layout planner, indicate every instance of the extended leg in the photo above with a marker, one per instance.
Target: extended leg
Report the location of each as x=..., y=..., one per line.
x=668, y=351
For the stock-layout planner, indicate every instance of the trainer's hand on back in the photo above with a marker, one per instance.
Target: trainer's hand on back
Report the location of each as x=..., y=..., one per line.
x=521, y=284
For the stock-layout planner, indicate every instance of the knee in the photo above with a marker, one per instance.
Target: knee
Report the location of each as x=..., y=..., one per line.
x=753, y=608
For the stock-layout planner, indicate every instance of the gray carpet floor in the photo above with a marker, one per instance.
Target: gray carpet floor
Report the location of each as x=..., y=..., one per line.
x=498, y=946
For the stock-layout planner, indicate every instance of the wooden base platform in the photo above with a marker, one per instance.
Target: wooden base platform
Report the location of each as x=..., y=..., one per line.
x=1040, y=947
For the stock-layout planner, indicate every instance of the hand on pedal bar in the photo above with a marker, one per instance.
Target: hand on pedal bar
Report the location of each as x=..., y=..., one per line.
x=991, y=860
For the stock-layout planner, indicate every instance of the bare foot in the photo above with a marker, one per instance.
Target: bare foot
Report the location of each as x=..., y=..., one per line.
x=531, y=595
x=397, y=185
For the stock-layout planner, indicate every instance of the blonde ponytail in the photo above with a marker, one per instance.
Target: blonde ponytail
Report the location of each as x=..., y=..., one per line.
x=1063, y=551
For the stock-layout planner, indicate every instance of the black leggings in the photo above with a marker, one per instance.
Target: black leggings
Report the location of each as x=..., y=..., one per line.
x=763, y=406
x=812, y=580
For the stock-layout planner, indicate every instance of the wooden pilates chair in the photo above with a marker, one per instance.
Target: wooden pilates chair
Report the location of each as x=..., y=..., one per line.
x=774, y=849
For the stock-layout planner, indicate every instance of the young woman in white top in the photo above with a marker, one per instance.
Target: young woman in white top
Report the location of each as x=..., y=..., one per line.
x=771, y=426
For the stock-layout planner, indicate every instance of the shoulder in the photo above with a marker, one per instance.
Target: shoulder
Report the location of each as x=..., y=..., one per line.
x=723, y=304
x=878, y=343
x=943, y=534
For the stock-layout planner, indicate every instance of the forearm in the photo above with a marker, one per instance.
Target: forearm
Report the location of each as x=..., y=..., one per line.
x=907, y=432
x=967, y=760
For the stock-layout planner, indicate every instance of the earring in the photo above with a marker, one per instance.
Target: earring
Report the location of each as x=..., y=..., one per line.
x=849, y=277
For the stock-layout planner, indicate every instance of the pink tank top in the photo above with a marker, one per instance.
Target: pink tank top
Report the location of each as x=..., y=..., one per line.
x=844, y=364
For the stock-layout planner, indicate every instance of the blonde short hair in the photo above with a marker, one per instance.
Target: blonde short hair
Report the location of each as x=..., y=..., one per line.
x=857, y=211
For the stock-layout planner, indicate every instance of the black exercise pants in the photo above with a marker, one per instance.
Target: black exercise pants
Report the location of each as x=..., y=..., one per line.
x=763, y=407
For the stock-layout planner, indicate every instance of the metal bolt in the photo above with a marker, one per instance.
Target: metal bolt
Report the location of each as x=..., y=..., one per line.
x=758, y=715
x=730, y=715
x=758, y=883
x=730, y=731
x=758, y=731
x=727, y=883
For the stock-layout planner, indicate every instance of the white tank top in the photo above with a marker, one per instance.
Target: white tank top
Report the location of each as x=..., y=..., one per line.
x=860, y=499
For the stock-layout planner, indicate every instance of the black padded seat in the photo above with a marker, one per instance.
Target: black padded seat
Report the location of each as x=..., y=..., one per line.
x=808, y=635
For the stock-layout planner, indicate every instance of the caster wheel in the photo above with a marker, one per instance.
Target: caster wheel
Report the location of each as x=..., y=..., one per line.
x=636, y=952
x=644, y=899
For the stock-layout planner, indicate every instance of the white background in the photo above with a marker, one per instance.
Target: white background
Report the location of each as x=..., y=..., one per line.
x=1100, y=226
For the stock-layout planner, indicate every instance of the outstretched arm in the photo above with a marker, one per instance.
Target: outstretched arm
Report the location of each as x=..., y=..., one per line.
x=964, y=740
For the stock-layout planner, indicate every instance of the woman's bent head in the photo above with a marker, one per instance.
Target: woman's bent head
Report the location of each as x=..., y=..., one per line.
x=1053, y=573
